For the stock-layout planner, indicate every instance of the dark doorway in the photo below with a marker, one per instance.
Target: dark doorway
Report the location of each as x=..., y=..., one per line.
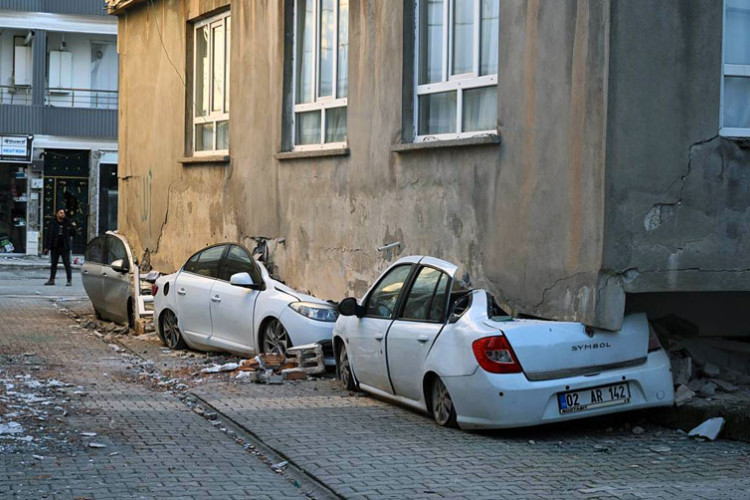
x=66, y=185
x=107, y=197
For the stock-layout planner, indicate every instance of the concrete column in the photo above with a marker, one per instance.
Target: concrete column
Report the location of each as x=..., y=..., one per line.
x=93, y=229
x=39, y=48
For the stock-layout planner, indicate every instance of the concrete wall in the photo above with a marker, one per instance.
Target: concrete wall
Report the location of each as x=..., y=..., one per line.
x=677, y=206
x=525, y=217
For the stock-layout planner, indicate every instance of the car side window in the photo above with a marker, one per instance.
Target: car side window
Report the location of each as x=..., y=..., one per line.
x=427, y=298
x=208, y=261
x=384, y=297
x=115, y=250
x=239, y=261
x=95, y=250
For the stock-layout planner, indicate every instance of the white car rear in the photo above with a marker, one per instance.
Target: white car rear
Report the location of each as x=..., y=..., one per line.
x=420, y=338
x=221, y=299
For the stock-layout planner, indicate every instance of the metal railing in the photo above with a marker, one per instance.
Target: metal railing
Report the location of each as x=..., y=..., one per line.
x=81, y=98
x=14, y=94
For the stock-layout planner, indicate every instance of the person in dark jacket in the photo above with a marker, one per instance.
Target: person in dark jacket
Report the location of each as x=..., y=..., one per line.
x=58, y=240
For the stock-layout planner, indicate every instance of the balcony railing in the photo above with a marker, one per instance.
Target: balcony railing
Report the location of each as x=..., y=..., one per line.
x=12, y=94
x=81, y=98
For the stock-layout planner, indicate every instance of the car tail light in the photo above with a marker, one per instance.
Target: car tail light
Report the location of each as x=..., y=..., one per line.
x=653, y=340
x=154, y=289
x=495, y=355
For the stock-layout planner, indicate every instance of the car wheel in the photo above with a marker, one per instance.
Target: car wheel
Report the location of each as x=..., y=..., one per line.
x=344, y=369
x=442, y=405
x=275, y=338
x=171, y=332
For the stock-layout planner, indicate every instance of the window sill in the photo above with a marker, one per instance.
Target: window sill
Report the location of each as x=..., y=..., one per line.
x=483, y=140
x=313, y=153
x=212, y=159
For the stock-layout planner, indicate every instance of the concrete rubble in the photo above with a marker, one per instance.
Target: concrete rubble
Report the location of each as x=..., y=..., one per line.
x=710, y=429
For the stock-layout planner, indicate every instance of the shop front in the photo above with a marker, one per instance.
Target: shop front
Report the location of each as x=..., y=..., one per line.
x=16, y=192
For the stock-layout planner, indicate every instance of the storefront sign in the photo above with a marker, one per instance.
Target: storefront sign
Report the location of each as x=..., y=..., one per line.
x=16, y=148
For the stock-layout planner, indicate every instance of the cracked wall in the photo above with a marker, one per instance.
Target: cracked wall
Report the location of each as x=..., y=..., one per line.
x=677, y=205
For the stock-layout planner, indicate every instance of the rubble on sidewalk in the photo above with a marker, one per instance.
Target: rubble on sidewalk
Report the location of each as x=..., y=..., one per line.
x=682, y=395
x=710, y=429
x=274, y=369
x=309, y=357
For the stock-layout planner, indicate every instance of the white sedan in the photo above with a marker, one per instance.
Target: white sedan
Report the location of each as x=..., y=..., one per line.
x=420, y=338
x=222, y=299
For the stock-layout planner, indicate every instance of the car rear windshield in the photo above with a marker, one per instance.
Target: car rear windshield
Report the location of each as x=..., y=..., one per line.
x=494, y=311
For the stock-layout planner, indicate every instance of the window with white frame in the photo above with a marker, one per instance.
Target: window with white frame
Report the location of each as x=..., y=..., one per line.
x=211, y=84
x=456, y=68
x=735, y=111
x=321, y=76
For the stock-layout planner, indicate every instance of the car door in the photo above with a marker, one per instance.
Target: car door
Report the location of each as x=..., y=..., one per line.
x=116, y=285
x=367, y=337
x=91, y=271
x=412, y=334
x=233, y=307
x=193, y=290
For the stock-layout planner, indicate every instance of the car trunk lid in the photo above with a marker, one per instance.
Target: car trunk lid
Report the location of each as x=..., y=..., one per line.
x=550, y=349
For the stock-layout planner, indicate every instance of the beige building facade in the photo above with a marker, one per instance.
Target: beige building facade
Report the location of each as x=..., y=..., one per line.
x=532, y=205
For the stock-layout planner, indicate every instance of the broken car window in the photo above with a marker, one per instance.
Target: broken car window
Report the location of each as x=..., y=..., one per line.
x=426, y=299
x=115, y=250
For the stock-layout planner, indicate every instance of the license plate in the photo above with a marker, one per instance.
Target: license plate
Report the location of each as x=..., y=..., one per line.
x=594, y=397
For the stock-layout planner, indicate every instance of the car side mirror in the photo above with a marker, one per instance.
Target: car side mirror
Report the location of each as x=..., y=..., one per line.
x=244, y=280
x=119, y=266
x=350, y=307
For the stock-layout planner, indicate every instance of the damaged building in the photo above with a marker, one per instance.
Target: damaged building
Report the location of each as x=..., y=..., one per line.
x=580, y=158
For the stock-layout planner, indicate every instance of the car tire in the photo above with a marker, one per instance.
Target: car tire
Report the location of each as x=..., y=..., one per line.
x=344, y=369
x=274, y=339
x=441, y=404
x=170, y=331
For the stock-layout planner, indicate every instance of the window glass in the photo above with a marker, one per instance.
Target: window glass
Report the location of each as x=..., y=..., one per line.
x=208, y=262
x=463, y=36
x=218, y=67
x=95, y=250
x=480, y=109
x=383, y=299
x=222, y=135
x=239, y=261
x=437, y=113
x=305, y=49
x=431, y=41
x=737, y=32
x=336, y=125
x=327, y=35
x=202, y=86
x=226, y=92
x=191, y=263
x=308, y=128
x=490, y=19
x=115, y=250
x=204, y=137
x=736, y=102
x=427, y=297
x=342, y=73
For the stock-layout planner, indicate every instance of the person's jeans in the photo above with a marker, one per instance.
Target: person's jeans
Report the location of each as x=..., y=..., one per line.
x=55, y=255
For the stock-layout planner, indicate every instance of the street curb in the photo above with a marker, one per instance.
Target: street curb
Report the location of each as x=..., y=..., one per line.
x=736, y=418
x=34, y=265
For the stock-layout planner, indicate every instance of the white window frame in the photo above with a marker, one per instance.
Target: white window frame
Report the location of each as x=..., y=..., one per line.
x=320, y=104
x=213, y=117
x=737, y=70
x=458, y=83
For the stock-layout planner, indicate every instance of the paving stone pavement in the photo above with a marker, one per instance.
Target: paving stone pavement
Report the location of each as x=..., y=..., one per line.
x=361, y=447
x=155, y=446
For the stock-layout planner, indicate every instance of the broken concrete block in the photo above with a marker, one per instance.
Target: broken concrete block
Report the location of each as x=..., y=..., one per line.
x=272, y=360
x=708, y=389
x=309, y=357
x=682, y=370
x=696, y=384
x=710, y=429
x=725, y=386
x=711, y=370
x=294, y=374
x=227, y=367
x=143, y=326
x=682, y=395
x=270, y=378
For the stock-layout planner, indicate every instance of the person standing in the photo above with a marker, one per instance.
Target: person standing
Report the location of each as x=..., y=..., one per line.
x=59, y=240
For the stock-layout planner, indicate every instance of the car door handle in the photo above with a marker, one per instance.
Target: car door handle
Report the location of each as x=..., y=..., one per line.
x=103, y=273
x=85, y=271
x=181, y=291
x=378, y=337
x=216, y=298
x=423, y=338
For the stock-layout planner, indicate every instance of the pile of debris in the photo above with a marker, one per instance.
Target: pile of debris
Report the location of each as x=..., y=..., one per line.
x=298, y=363
x=702, y=379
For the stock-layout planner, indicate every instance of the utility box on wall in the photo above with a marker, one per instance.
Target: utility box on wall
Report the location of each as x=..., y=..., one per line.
x=60, y=70
x=22, y=66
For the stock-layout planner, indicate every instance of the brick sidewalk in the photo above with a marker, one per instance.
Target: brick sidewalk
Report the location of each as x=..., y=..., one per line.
x=156, y=447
